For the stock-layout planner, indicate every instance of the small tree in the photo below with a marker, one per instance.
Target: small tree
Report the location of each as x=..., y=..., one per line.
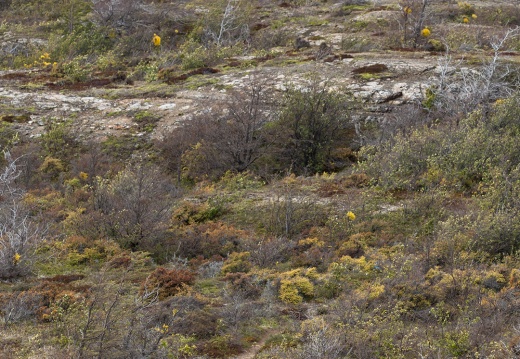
x=135, y=205
x=230, y=138
x=312, y=123
x=239, y=134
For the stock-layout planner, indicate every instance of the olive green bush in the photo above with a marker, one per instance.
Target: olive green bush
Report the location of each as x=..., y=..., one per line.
x=313, y=122
x=478, y=158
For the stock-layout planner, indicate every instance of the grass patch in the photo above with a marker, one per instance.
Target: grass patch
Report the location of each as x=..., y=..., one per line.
x=209, y=287
x=146, y=90
x=196, y=82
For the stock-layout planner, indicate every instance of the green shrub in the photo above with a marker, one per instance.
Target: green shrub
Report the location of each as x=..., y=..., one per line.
x=146, y=70
x=59, y=141
x=77, y=69
x=311, y=125
x=457, y=344
x=193, y=55
x=8, y=136
x=124, y=146
x=86, y=39
x=240, y=181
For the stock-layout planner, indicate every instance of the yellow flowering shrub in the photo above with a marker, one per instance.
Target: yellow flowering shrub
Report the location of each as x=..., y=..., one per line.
x=289, y=293
x=292, y=273
x=492, y=280
x=465, y=7
x=370, y=291
x=312, y=273
x=313, y=241
x=304, y=286
x=349, y=264
x=351, y=247
x=296, y=285
x=42, y=61
x=52, y=167
x=293, y=290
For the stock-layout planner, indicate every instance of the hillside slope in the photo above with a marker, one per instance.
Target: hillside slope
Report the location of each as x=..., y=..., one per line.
x=262, y=179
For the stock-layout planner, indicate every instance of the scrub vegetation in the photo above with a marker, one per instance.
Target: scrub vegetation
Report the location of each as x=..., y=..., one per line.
x=275, y=221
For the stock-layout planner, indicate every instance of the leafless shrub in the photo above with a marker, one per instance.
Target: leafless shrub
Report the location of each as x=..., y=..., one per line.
x=412, y=18
x=461, y=90
x=135, y=205
x=19, y=234
x=113, y=321
x=5, y=4
x=409, y=117
x=230, y=137
x=210, y=269
x=18, y=306
x=238, y=309
x=117, y=13
x=322, y=343
x=268, y=251
x=230, y=28
x=7, y=178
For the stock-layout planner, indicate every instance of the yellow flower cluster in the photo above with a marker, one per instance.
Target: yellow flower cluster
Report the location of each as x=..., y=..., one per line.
x=163, y=330
x=43, y=61
x=425, y=32
x=466, y=19
x=83, y=176
x=407, y=10
x=16, y=258
x=156, y=39
x=351, y=216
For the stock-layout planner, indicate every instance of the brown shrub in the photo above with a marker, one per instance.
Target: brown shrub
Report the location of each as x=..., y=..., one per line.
x=244, y=284
x=120, y=261
x=330, y=189
x=372, y=69
x=168, y=282
x=66, y=278
x=224, y=346
x=208, y=240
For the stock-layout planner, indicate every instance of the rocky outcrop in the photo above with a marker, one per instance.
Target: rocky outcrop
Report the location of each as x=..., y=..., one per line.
x=380, y=85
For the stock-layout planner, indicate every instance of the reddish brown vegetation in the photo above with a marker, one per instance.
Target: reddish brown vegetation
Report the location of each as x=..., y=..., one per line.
x=168, y=282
